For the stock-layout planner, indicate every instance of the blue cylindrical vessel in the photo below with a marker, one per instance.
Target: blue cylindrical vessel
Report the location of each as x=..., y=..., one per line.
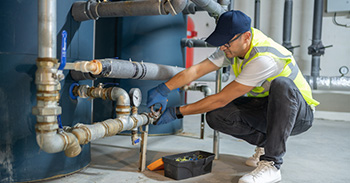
x=21, y=159
x=153, y=39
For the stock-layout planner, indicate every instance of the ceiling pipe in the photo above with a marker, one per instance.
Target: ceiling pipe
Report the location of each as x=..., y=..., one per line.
x=123, y=69
x=89, y=10
x=213, y=8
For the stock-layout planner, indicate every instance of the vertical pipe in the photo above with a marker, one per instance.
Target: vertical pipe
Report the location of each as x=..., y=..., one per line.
x=316, y=37
x=202, y=126
x=47, y=28
x=232, y=5
x=216, y=133
x=257, y=14
x=287, y=24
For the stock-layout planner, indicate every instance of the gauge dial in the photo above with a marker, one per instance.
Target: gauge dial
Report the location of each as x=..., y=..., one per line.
x=343, y=70
x=135, y=96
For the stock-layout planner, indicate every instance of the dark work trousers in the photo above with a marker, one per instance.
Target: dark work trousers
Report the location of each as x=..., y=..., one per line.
x=265, y=122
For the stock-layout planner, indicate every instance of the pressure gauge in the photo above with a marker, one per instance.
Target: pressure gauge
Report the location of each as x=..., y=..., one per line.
x=135, y=96
x=343, y=70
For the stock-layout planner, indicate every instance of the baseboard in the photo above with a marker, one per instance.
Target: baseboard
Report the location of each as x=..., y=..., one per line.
x=338, y=116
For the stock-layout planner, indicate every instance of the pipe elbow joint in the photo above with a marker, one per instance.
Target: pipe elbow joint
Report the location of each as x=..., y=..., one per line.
x=174, y=6
x=120, y=96
x=73, y=149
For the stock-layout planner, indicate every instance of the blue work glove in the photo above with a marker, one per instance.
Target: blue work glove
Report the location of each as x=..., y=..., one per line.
x=158, y=95
x=168, y=116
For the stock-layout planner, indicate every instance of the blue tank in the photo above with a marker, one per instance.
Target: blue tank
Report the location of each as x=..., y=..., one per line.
x=21, y=159
x=153, y=39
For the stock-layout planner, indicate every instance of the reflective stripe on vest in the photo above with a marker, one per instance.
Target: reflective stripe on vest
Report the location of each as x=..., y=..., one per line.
x=266, y=84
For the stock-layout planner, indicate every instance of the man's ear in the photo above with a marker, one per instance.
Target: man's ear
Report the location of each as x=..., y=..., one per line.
x=247, y=35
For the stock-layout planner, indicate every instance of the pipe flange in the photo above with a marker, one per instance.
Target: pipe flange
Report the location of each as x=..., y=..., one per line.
x=135, y=121
x=86, y=130
x=106, y=127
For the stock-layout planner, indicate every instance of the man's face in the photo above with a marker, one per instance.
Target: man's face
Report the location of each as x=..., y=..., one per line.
x=235, y=47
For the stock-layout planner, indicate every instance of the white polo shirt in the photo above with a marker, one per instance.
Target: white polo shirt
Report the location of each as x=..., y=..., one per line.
x=255, y=72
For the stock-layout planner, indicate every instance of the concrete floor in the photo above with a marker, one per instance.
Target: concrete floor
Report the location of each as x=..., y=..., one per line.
x=320, y=155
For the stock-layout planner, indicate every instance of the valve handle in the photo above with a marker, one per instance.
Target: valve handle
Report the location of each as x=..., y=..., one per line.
x=63, y=50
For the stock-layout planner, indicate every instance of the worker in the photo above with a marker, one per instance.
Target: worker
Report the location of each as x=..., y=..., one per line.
x=268, y=101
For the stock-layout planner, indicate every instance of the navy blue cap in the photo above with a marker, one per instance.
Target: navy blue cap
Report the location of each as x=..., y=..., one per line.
x=230, y=23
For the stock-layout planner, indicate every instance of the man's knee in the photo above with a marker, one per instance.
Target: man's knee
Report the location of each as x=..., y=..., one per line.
x=212, y=119
x=282, y=83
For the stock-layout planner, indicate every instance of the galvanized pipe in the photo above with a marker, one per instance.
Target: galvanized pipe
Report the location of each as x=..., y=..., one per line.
x=216, y=138
x=82, y=10
x=49, y=137
x=47, y=26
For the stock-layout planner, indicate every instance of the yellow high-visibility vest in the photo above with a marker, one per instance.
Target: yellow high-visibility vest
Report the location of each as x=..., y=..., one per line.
x=263, y=45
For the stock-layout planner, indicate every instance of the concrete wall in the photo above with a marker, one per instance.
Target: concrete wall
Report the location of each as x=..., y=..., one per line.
x=271, y=20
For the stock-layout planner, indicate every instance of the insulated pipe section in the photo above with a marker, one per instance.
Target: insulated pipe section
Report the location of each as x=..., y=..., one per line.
x=82, y=10
x=214, y=8
x=123, y=69
x=329, y=83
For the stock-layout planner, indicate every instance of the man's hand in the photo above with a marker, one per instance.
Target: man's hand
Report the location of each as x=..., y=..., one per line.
x=168, y=116
x=158, y=95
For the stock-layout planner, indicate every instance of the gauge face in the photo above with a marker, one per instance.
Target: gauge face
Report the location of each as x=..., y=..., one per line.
x=343, y=70
x=135, y=97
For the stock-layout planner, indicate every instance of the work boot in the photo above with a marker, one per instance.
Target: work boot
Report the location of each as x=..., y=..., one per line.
x=253, y=161
x=266, y=172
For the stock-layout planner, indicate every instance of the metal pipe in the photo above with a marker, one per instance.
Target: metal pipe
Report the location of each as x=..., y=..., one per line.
x=194, y=43
x=216, y=138
x=316, y=49
x=82, y=10
x=191, y=8
x=206, y=91
x=48, y=136
x=287, y=24
x=329, y=83
x=214, y=8
x=257, y=14
x=123, y=69
x=47, y=23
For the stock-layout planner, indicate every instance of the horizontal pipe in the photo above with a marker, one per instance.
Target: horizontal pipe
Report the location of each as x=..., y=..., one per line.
x=197, y=43
x=329, y=83
x=82, y=10
x=123, y=69
x=110, y=127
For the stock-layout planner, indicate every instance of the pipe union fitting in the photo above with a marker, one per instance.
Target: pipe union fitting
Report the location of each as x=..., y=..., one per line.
x=47, y=111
